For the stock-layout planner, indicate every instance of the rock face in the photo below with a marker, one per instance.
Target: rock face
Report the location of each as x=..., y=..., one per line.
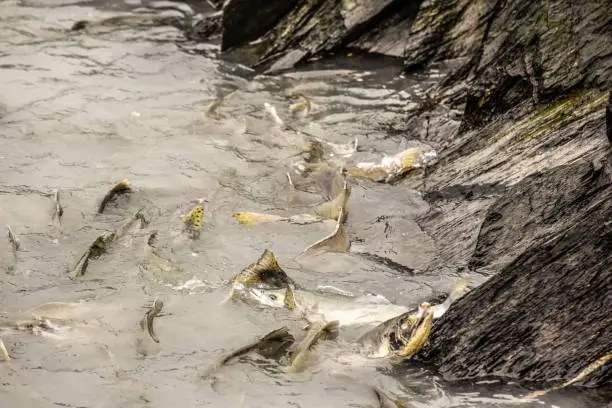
x=546, y=314
x=522, y=191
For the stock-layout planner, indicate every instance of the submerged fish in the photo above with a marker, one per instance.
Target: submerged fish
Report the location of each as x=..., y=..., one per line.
x=193, y=221
x=95, y=250
x=299, y=357
x=301, y=109
x=147, y=321
x=272, y=345
x=600, y=362
x=120, y=188
x=58, y=210
x=334, y=208
x=15, y=242
x=392, y=168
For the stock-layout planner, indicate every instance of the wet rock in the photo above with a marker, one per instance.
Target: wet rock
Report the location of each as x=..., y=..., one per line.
x=247, y=20
x=208, y=27
x=545, y=315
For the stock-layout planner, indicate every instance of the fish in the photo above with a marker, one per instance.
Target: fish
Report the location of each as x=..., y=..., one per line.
x=271, y=110
x=600, y=362
x=4, y=351
x=265, y=283
x=251, y=219
x=146, y=323
x=334, y=208
x=58, y=210
x=393, y=168
x=212, y=110
x=337, y=241
x=132, y=20
x=94, y=251
x=385, y=401
x=299, y=357
x=125, y=227
x=301, y=109
x=15, y=242
x=120, y=188
x=344, y=150
x=272, y=345
x=193, y=221
x=390, y=337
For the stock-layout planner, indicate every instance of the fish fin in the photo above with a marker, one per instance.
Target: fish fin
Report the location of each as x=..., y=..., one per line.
x=4, y=351
x=265, y=270
x=332, y=330
x=251, y=219
x=194, y=218
x=289, y=298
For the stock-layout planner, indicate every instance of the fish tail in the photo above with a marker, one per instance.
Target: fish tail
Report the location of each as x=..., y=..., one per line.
x=4, y=351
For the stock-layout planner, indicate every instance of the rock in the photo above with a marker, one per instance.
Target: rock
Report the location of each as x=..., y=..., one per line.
x=546, y=314
x=247, y=20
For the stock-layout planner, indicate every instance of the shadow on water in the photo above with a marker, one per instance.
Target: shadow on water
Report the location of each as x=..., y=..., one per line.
x=82, y=111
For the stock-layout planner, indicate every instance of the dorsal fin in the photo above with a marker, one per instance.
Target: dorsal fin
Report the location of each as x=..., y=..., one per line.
x=265, y=270
x=194, y=218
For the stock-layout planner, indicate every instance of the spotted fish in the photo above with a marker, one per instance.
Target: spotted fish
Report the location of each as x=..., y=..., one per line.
x=193, y=221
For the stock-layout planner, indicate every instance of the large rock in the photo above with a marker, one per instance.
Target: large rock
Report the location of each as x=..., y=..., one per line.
x=546, y=314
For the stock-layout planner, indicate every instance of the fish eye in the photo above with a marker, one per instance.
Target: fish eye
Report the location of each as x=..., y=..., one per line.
x=273, y=297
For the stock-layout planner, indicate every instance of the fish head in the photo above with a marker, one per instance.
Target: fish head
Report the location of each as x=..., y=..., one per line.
x=424, y=309
x=267, y=295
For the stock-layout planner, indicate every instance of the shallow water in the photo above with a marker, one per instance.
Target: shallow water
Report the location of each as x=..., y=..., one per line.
x=81, y=111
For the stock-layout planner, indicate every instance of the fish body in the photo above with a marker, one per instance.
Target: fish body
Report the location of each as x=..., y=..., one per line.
x=15, y=242
x=95, y=250
x=299, y=357
x=392, y=168
x=58, y=210
x=265, y=283
x=147, y=321
x=389, y=337
x=334, y=208
x=118, y=189
x=300, y=110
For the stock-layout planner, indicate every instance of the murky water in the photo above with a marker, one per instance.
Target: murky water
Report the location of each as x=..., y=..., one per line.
x=82, y=111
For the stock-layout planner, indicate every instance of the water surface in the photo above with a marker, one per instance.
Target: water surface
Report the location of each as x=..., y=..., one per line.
x=81, y=111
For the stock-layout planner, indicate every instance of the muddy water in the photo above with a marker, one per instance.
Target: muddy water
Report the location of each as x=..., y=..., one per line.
x=79, y=112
